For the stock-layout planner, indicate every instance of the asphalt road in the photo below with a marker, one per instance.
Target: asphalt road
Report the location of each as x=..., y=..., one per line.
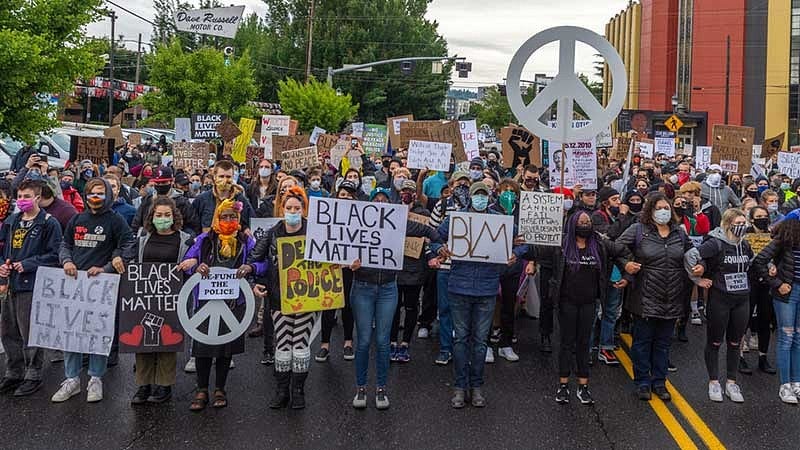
x=521, y=411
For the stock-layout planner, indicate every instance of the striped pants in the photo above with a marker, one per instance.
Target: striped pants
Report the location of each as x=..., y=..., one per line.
x=293, y=340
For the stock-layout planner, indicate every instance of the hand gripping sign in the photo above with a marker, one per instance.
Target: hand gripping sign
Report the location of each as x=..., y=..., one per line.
x=566, y=88
x=214, y=311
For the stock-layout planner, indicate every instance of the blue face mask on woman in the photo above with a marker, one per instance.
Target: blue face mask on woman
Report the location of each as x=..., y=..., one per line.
x=293, y=219
x=480, y=202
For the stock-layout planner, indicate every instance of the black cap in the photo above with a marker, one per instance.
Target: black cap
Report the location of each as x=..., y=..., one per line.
x=181, y=179
x=606, y=193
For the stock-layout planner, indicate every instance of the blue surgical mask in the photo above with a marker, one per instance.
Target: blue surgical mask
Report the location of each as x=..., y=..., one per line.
x=475, y=175
x=480, y=202
x=785, y=186
x=195, y=185
x=293, y=219
x=662, y=216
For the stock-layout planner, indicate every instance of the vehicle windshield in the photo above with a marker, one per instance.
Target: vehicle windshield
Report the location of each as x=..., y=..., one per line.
x=10, y=145
x=61, y=140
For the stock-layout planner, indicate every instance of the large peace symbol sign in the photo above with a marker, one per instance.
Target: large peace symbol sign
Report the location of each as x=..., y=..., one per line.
x=214, y=311
x=566, y=88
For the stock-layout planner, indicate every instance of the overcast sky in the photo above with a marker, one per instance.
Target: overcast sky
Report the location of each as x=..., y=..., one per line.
x=487, y=32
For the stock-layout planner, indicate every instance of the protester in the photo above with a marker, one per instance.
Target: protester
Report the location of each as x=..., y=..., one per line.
x=762, y=314
x=52, y=204
x=224, y=188
x=120, y=206
x=162, y=187
x=262, y=188
x=717, y=192
x=68, y=191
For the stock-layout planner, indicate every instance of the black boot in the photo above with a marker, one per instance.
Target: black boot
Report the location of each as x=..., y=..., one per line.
x=682, y=332
x=763, y=365
x=298, y=390
x=281, y=399
x=744, y=367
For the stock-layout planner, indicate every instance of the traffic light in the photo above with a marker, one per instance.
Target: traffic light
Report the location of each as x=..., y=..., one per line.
x=463, y=69
x=407, y=67
x=502, y=89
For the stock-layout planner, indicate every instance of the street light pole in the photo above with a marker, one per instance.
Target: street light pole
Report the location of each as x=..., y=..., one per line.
x=138, y=57
x=332, y=71
x=111, y=73
x=310, y=40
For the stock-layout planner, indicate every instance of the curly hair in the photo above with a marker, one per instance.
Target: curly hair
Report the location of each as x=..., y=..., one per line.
x=177, y=218
x=646, y=218
x=788, y=233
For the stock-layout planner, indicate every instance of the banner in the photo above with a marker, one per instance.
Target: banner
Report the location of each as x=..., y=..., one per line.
x=580, y=164
x=97, y=150
x=73, y=314
x=190, y=156
x=148, y=317
x=733, y=144
x=469, y=135
x=299, y=158
x=429, y=155
x=541, y=217
x=341, y=231
x=486, y=238
x=306, y=286
x=260, y=226
x=520, y=146
x=204, y=126
x=213, y=21
x=375, y=138
x=247, y=127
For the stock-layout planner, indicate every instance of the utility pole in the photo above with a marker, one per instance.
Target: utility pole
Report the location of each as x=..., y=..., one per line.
x=727, y=76
x=310, y=39
x=138, y=57
x=111, y=72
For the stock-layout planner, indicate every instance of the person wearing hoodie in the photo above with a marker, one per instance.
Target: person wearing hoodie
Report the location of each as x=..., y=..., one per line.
x=86, y=173
x=98, y=241
x=724, y=258
x=315, y=188
x=52, y=204
x=224, y=189
x=162, y=187
x=120, y=206
x=718, y=193
x=68, y=191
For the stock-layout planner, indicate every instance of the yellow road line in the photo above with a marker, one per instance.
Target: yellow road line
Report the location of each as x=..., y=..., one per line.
x=691, y=416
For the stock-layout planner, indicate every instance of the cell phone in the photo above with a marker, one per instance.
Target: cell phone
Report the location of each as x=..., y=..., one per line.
x=42, y=157
x=354, y=143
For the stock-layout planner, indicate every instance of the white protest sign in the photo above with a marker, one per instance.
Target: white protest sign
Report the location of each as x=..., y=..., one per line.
x=183, y=129
x=665, y=145
x=430, y=155
x=221, y=284
x=729, y=165
x=646, y=149
x=603, y=139
x=213, y=21
x=315, y=135
x=260, y=226
x=579, y=160
x=757, y=159
x=540, y=218
x=73, y=314
x=789, y=163
x=486, y=238
x=469, y=134
x=341, y=231
x=566, y=88
x=702, y=157
x=358, y=130
x=396, y=124
x=271, y=124
x=266, y=143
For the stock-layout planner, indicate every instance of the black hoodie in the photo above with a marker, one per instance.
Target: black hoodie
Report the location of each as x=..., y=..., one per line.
x=94, y=239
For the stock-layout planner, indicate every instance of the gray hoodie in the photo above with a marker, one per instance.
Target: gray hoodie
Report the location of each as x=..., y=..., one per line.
x=728, y=256
x=722, y=196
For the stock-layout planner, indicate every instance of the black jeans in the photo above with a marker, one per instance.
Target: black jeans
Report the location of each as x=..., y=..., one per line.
x=765, y=314
x=408, y=298
x=575, y=325
x=429, y=301
x=508, y=286
x=329, y=317
x=204, y=372
x=547, y=307
x=727, y=318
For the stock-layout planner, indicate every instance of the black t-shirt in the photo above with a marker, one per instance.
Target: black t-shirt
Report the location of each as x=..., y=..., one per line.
x=162, y=248
x=18, y=237
x=581, y=287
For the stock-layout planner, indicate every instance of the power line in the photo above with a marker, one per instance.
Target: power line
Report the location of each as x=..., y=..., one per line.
x=131, y=12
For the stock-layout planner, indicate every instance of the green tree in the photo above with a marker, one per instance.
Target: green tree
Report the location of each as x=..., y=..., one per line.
x=315, y=104
x=494, y=109
x=42, y=52
x=198, y=82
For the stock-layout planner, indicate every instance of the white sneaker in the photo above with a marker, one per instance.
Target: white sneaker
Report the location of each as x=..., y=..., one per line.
x=94, y=390
x=745, y=346
x=795, y=388
x=69, y=388
x=714, y=391
x=734, y=393
x=787, y=395
x=232, y=365
x=190, y=366
x=508, y=354
x=423, y=333
x=696, y=320
x=489, y=355
x=753, y=341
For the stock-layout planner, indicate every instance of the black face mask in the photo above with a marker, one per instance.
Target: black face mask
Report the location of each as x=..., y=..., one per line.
x=635, y=207
x=680, y=211
x=387, y=163
x=761, y=223
x=614, y=210
x=583, y=232
x=461, y=195
x=752, y=194
x=162, y=189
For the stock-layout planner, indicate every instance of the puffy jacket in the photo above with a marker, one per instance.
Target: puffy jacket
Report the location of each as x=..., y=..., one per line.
x=776, y=253
x=661, y=288
x=266, y=251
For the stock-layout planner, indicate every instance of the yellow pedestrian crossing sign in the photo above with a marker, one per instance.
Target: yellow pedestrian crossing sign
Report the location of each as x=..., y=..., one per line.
x=673, y=124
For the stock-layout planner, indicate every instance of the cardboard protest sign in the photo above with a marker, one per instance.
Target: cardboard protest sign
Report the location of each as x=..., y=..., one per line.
x=325, y=143
x=98, y=150
x=486, y=238
x=733, y=143
x=247, y=127
x=281, y=144
x=702, y=157
x=183, y=129
x=341, y=231
x=148, y=318
x=665, y=143
x=541, y=218
x=429, y=155
x=413, y=247
x=789, y=163
x=375, y=138
x=579, y=160
x=343, y=149
x=419, y=218
x=315, y=134
x=758, y=241
x=450, y=133
x=306, y=286
x=469, y=135
x=621, y=148
x=260, y=226
x=393, y=128
x=190, y=155
x=419, y=130
x=299, y=158
x=772, y=146
x=135, y=139
x=115, y=133
x=228, y=130
x=204, y=126
x=220, y=284
x=73, y=314
x=358, y=130
x=293, y=126
x=520, y=146
x=253, y=157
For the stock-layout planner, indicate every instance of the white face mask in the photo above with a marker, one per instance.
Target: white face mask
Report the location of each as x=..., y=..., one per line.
x=568, y=204
x=264, y=172
x=315, y=185
x=662, y=216
x=714, y=179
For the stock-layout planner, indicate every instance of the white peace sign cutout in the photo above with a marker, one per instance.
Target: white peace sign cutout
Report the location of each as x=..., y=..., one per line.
x=214, y=311
x=566, y=88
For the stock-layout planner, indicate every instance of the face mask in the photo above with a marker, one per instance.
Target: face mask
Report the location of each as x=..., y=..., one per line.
x=150, y=190
x=507, y=200
x=407, y=198
x=772, y=208
x=96, y=201
x=398, y=183
x=662, y=216
x=643, y=191
x=25, y=205
x=89, y=173
x=387, y=163
x=461, y=195
x=761, y=189
x=147, y=173
x=223, y=185
x=65, y=185
x=475, y=175
x=264, y=172
x=635, y=207
x=162, y=223
x=761, y=223
x=568, y=202
x=162, y=189
x=614, y=210
x=738, y=230
x=314, y=185
x=714, y=179
x=752, y=194
x=583, y=231
x=680, y=211
x=293, y=219
x=683, y=177
x=229, y=227
x=785, y=186
x=673, y=179
x=211, y=162
x=480, y=202
x=195, y=185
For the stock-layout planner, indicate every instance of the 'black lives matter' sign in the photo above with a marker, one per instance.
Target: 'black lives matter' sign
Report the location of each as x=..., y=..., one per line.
x=204, y=126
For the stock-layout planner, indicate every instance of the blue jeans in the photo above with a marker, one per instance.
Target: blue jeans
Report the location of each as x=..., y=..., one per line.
x=472, y=319
x=73, y=362
x=610, y=310
x=373, y=303
x=787, y=354
x=445, y=320
x=650, y=350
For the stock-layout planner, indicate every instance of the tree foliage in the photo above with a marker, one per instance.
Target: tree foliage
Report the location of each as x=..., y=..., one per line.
x=42, y=52
x=494, y=109
x=198, y=82
x=315, y=104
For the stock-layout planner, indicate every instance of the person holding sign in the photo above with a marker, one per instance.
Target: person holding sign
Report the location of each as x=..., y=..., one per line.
x=30, y=238
x=224, y=245
x=97, y=240
x=163, y=243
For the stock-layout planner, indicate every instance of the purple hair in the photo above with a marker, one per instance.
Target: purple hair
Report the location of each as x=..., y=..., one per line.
x=570, y=247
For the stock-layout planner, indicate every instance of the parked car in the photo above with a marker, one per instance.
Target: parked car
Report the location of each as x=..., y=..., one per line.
x=58, y=142
x=8, y=148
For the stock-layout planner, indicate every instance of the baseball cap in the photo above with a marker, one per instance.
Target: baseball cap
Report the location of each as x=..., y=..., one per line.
x=479, y=186
x=459, y=175
x=161, y=174
x=181, y=179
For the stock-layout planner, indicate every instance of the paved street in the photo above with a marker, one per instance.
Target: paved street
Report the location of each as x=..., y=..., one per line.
x=521, y=412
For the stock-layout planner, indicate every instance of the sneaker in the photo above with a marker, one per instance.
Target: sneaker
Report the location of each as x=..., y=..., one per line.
x=508, y=354
x=671, y=367
x=27, y=388
x=795, y=388
x=232, y=365
x=608, y=357
x=696, y=320
x=444, y=358
x=662, y=393
x=643, y=392
x=494, y=338
x=562, y=394
x=458, y=400
x=478, y=400
x=190, y=366
x=489, y=355
x=94, y=390
x=267, y=358
x=745, y=346
x=393, y=352
x=734, y=393
x=381, y=399
x=715, y=391
x=322, y=355
x=584, y=395
x=69, y=388
x=360, y=400
x=141, y=395
x=546, y=346
x=423, y=333
x=744, y=368
x=348, y=354
x=402, y=354
x=787, y=395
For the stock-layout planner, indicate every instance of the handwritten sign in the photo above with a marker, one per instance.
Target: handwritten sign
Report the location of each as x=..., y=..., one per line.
x=183, y=129
x=204, y=126
x=540, y=218
x=469, y=135
x=375, y=138
x=486, y=238
x=97, y=150
x=221, y=284
x=228, y=130
x=307, y=286
x=325, y=143
x=413, y=247
x=419, y=130
x=253, y=157
x=789, y=163
x=343, y=149
x=315, y=134
x=430, y=155
x=299, y=158
x=733, y=143
x=450, y=133
x=358, y=130
x=393, y=128
x=247, y=127
x=646, y=148
x=190, y=155
x=281, y=144
x=703, y=157
x=665, y=143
